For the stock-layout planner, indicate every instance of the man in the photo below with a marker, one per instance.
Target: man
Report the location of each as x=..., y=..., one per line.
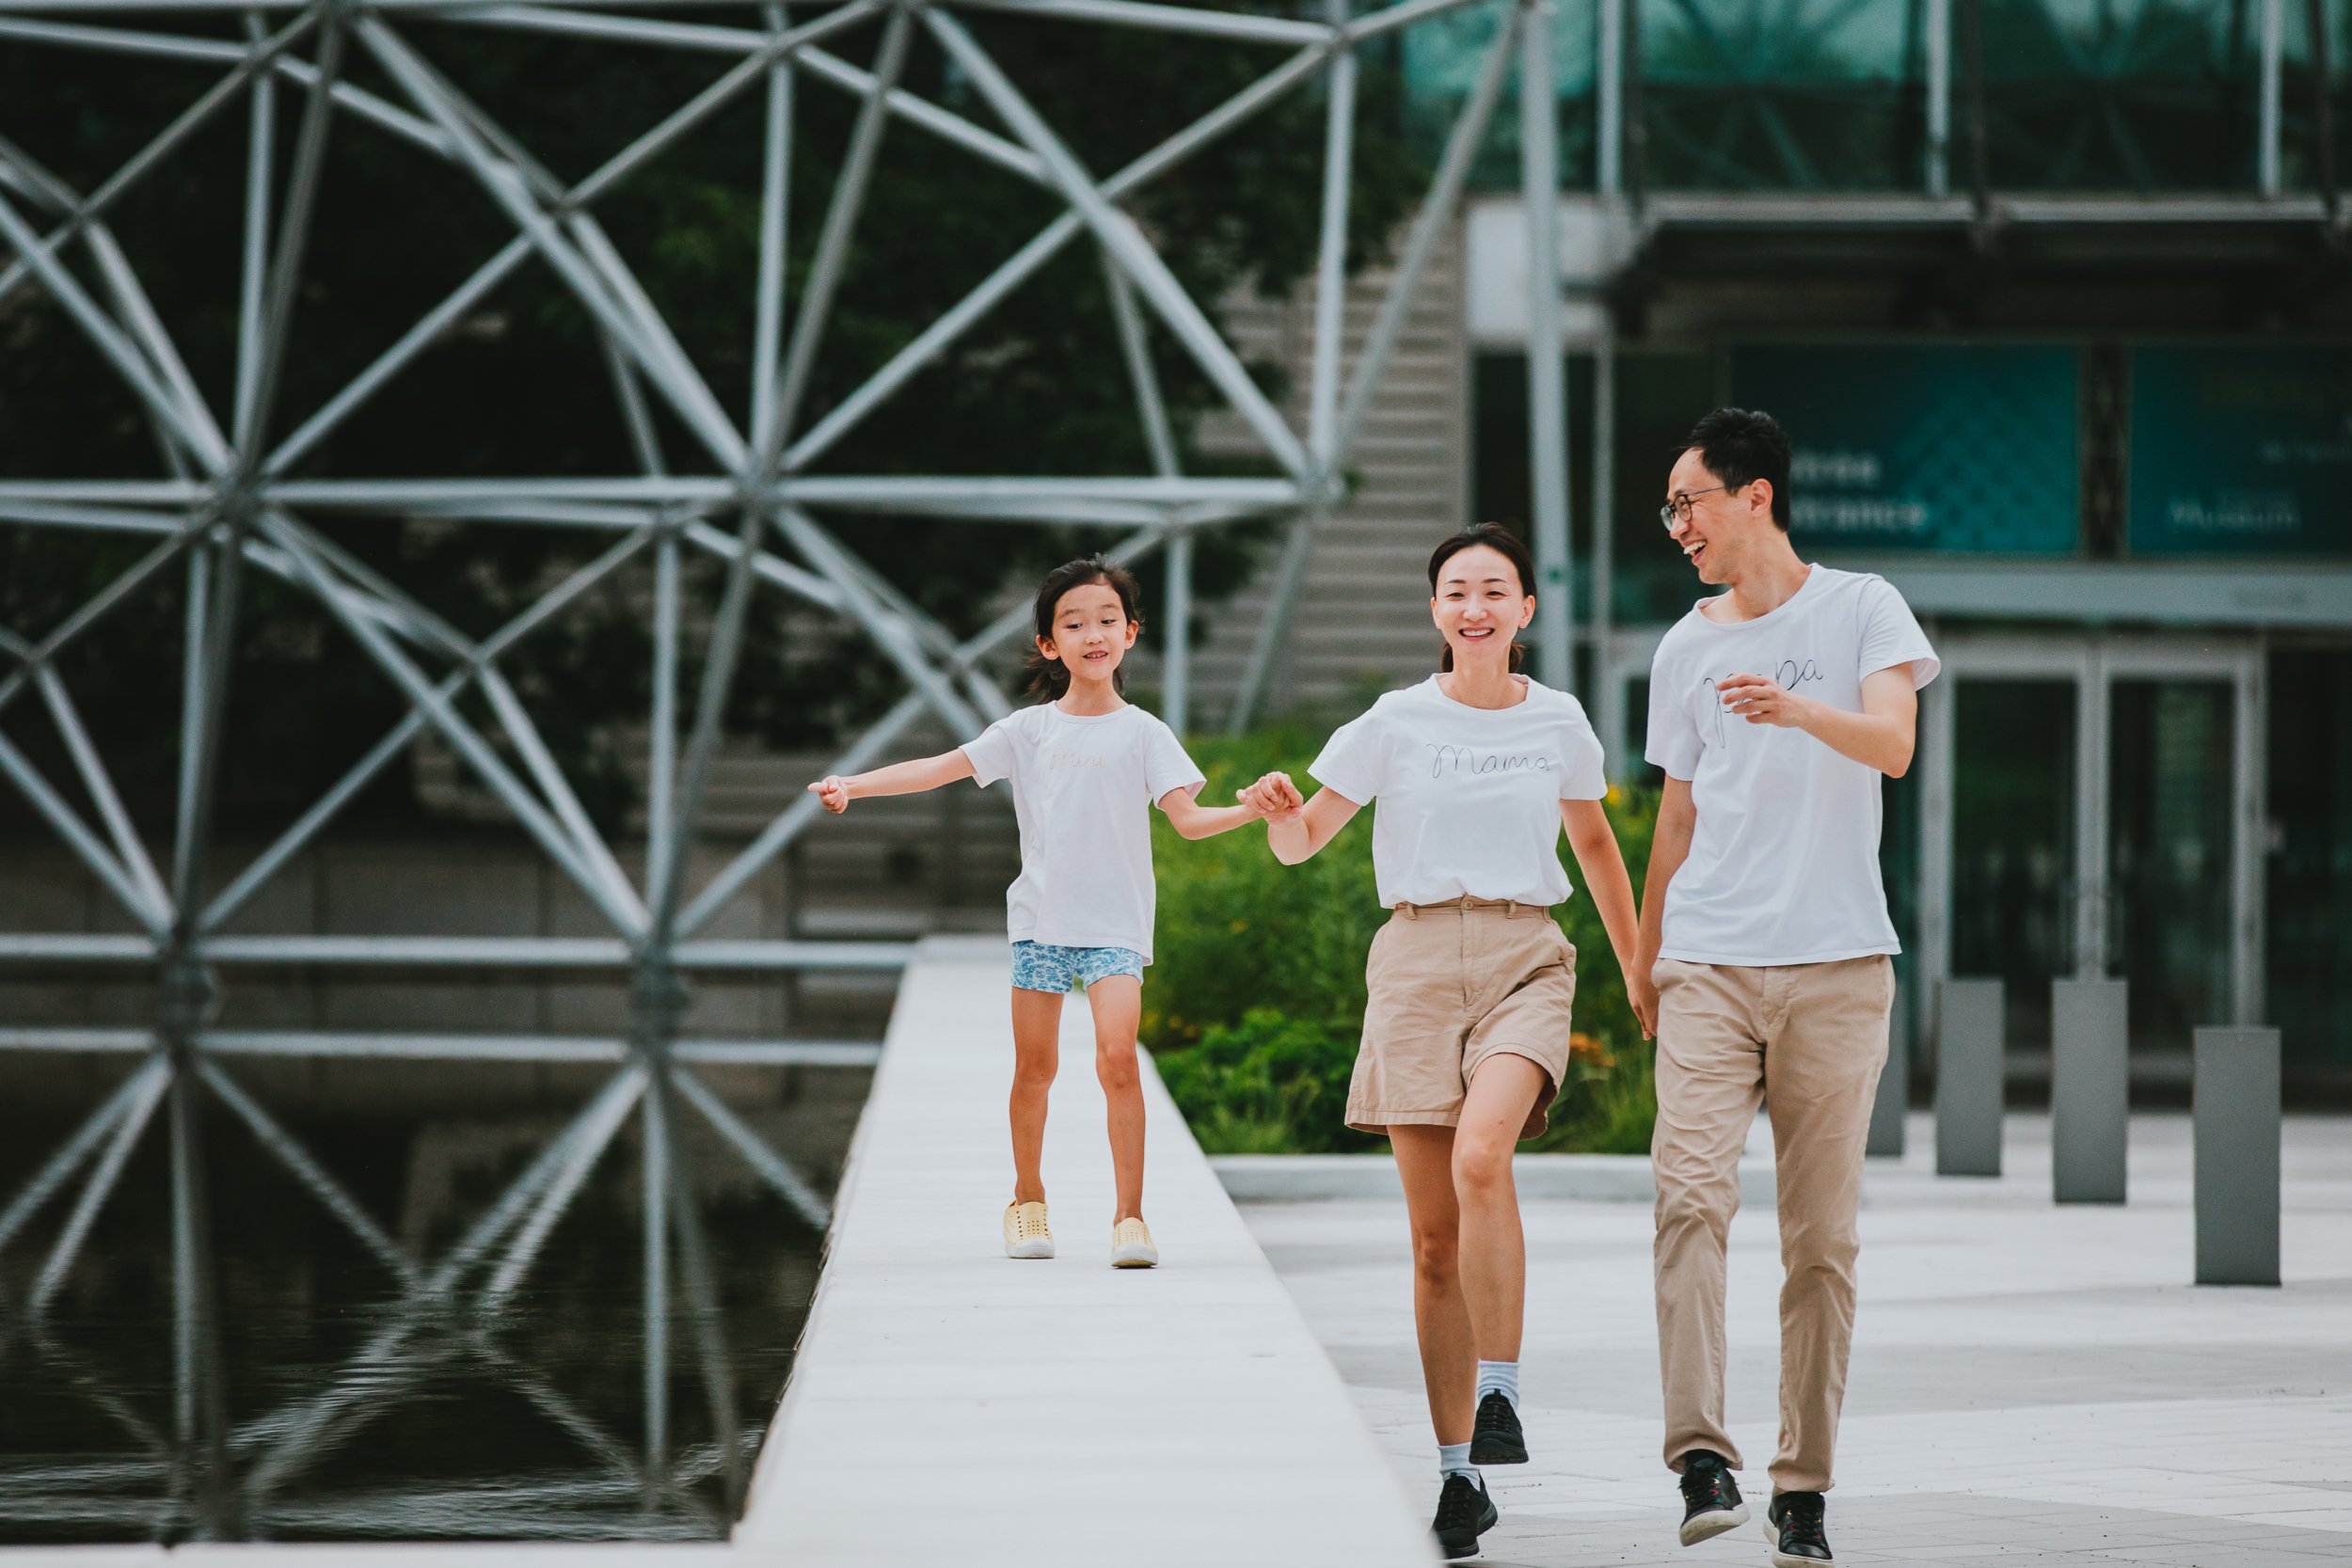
x=1763, y=964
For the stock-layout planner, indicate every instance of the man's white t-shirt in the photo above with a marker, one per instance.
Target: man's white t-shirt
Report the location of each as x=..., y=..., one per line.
x=1784, y=858
x=1469, y=798
x=1083, y=785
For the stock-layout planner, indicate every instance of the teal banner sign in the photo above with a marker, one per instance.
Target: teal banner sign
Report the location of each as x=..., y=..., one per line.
x=1937, y=447
x=2241, y=452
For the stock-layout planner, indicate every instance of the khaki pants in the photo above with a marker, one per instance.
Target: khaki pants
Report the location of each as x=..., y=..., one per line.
x=1813, y=1037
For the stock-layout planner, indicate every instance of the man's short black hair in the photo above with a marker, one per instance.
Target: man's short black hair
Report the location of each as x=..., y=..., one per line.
x=1741, y=445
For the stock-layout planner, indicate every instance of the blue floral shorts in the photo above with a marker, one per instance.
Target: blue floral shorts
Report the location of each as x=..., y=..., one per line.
x=1050, y=967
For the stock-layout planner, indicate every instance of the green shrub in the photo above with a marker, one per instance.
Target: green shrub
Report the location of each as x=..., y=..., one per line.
x=1608, y=1099
x=1255, y=998
x=1270, y=1084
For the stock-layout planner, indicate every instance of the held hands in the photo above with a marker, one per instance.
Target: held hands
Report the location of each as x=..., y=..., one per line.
x=1761, y=701
x=1643, y=997
x=1274, y=798
x=832, y=791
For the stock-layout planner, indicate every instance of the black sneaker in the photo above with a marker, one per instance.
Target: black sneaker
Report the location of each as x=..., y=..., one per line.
x=1710, y=1498
x=1496, y=1439
x=1793, y=1525
x=1464, y=1512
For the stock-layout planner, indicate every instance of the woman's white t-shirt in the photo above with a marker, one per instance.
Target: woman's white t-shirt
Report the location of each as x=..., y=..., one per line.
x=1083, y=785
x=1469, y=798
x=1783, y=864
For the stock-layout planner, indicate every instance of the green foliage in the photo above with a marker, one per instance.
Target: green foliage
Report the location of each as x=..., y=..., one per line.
x=1255, y=997
x=1238, y=931
x=1269, y=1084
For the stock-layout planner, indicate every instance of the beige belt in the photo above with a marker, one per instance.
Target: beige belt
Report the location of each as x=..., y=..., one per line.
x=1512, y=908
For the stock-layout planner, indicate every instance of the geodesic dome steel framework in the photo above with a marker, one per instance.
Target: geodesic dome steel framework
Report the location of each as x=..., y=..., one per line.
x=229, y=505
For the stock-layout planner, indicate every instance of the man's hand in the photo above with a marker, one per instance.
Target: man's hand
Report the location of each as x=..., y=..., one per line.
x=1642, y=995
x=1883, y=735
x=833, y=792
x=1760, y=700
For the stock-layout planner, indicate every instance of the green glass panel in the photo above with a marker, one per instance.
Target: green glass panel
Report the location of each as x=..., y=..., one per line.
x=2169, y=855
x=2086, y=95
x=2241, y=452
x=2014, y=843
x=1944, y=446
x=2308, y=881
x=1440, y=60
x=1791, y=95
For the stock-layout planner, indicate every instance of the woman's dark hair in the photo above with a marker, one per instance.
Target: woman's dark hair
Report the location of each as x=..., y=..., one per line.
x=1741, y=445
x=1050, y=677
x=1497, y=538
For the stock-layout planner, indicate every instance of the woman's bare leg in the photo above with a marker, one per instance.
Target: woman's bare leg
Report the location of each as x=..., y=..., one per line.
x=1494, y=1249
x=1118, y=1004
x=1449, y=1355
x=1035, y=1054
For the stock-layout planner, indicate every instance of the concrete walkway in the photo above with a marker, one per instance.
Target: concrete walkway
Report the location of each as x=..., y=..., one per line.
x=2029, y=1384
x=952, y=1406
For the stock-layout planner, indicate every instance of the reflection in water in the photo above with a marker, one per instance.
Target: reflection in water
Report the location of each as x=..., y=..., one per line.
x=571, y=1327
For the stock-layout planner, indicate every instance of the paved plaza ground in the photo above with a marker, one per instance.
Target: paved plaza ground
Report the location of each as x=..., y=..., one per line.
x=2029, y=1384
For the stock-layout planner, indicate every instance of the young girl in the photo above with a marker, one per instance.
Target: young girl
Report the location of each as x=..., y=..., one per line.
x=1476, y=770
x=1086, y=766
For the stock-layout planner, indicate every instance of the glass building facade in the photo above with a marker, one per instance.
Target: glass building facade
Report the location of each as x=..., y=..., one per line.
x=2041, y=290
x=1863, y=95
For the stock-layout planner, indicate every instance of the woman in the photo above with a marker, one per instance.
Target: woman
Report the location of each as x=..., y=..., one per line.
x=1466, y=1025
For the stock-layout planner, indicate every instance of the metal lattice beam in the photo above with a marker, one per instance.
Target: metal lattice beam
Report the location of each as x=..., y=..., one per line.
x=228, y=501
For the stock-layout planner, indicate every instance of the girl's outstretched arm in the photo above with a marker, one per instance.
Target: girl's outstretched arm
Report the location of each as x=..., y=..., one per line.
x=899, y=778
x=1191, y=819
x=1612, y=892
x=1295, y=830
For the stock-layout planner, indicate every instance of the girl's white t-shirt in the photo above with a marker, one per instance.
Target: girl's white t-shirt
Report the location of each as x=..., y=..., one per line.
x=1083, y=785
x=1468, y=798
x=1784, y=864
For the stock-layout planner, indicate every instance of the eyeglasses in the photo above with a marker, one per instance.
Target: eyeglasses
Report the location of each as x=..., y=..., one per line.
x=1679, y=509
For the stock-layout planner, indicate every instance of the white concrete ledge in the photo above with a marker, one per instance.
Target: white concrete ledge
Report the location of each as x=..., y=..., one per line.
x=1579, y=1178
x=950, y=1405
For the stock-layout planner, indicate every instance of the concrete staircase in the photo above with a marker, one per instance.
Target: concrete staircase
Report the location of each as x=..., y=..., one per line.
x=1361, y=623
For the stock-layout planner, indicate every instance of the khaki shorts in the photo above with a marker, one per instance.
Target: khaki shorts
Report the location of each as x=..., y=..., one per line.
x=1451, y=985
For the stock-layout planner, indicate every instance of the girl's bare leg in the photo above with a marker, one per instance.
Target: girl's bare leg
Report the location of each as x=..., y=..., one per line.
x=1449, y=1355
x=1118, y=1004
x=1494, y=1249
x=1035, y=1054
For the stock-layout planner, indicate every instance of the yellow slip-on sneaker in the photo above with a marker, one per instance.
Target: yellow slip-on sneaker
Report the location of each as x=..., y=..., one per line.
x=1130, y=1245
x=1025, y=1231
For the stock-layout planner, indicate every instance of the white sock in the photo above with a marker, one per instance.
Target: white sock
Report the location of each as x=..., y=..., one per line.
x=1454, y=1459
x=1500, y=1377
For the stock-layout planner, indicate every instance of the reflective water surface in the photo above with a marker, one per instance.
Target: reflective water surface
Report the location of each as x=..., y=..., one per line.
x=252, y=1310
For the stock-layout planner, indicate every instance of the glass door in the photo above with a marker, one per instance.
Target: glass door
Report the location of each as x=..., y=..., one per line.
x=2014, y=883
x=2088, y=808
x=2182, y=867
x=2004, y=760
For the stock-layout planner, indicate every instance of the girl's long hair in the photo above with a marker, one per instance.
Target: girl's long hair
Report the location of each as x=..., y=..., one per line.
x=1500, y=540
x=1050, y=677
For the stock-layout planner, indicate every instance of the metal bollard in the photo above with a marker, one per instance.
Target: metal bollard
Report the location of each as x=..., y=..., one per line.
x=2089, y=1090
x=2237, y=1122
x=1968, y=1050
x=1894, y=1097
